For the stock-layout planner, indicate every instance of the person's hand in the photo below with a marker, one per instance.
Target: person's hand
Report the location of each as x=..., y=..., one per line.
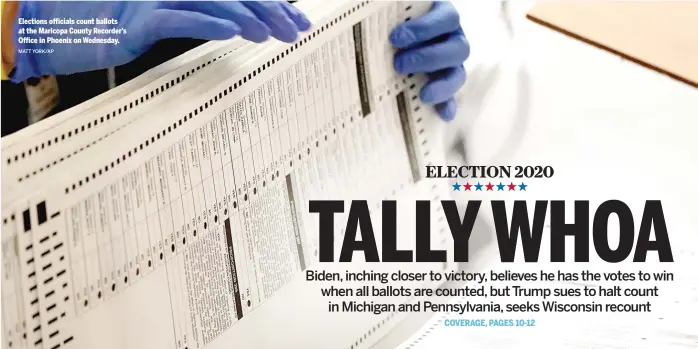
x=434, y=44
x=142, y=23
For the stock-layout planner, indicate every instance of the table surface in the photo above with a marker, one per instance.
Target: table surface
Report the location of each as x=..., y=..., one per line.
x=661, y=35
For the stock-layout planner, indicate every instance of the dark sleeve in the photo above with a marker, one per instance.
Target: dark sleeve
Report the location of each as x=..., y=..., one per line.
x=13, y=108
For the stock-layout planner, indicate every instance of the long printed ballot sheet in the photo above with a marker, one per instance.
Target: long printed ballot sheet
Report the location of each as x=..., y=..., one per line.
x=172, y=212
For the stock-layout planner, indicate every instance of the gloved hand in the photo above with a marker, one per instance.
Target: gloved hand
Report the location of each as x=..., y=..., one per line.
x=145, y=22
x=434, y=44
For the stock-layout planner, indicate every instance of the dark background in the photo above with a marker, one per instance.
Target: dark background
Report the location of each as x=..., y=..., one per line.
x=77, y=88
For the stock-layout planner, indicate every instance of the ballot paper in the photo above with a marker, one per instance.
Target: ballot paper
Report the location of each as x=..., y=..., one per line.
x=172, y=212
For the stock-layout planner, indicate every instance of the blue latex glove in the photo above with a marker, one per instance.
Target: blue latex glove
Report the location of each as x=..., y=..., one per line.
x=145, y=23
x=434, y=44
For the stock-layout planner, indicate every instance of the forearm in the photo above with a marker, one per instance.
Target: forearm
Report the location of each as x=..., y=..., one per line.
x=9, y=15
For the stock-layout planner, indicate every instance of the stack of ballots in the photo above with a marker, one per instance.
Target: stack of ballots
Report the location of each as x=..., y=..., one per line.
x=172, y=211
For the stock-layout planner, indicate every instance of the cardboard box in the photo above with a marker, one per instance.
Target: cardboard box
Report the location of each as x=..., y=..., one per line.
x=660, y=35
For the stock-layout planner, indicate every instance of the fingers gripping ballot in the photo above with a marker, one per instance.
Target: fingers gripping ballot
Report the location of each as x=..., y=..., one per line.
x=436, y=45
x=258, y=20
